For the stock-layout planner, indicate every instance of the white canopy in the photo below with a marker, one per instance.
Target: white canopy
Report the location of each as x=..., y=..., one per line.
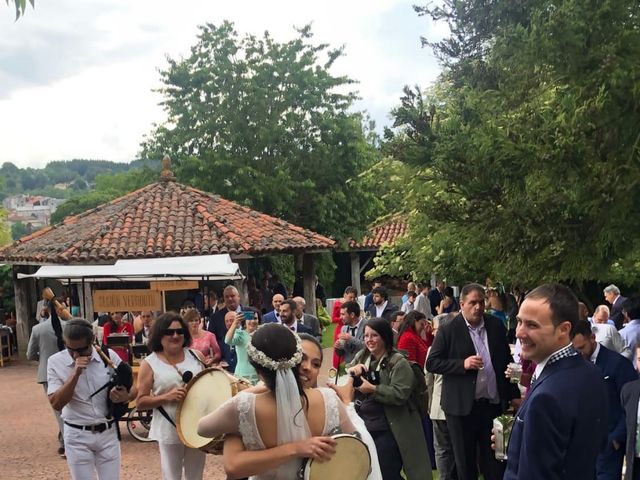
x=214, y=267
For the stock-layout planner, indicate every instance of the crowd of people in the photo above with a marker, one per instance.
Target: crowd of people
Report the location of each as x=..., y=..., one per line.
x=420, y=383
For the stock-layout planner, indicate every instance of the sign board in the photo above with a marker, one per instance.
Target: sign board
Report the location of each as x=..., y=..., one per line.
x=126, y=300
x=166, y=285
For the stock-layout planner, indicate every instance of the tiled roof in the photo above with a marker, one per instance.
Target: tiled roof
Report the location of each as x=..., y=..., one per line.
x=164, y=219
x=384, y=233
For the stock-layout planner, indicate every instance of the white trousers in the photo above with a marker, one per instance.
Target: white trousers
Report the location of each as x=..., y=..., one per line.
x=90, y=453
x=176, y=458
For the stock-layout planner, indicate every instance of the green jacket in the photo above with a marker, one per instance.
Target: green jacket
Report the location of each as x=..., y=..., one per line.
x=396, y=384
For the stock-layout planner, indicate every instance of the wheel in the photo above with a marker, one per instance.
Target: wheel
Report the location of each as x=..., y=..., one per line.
x=139, y=423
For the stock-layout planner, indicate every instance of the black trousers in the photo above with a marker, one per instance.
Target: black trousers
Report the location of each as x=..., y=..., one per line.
x=471, y=442
x=389, y=455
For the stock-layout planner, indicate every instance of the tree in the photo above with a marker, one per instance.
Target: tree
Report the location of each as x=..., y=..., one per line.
x=533, y=172
x=21, y=6
x=19, y=230
x=266, y=124
x=5, y=231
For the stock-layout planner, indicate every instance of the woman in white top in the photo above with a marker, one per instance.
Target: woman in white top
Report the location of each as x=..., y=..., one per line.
x=161, y=385
x=291, y=421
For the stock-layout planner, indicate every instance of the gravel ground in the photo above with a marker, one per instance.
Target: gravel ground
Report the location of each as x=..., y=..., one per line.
x=28, y=433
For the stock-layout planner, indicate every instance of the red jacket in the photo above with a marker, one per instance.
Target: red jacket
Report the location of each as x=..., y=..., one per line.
x=414, y=345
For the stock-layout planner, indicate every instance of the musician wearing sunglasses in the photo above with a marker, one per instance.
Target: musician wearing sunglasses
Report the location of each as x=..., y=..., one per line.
x=74, y=375
x=161, y=385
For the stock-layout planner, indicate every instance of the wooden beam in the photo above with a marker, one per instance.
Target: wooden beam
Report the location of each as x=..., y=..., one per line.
x=24, y=294
x=355, y=271
x=309, y=282
x=242, y=285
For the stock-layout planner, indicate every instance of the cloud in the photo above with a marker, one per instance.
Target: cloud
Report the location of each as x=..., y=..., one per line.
x=77, y=78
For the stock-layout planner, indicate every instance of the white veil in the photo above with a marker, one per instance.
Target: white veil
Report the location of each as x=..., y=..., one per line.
x=292, y=422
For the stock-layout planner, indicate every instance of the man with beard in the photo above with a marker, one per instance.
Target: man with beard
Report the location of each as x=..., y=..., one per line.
x=381, y=306
x=288, y=317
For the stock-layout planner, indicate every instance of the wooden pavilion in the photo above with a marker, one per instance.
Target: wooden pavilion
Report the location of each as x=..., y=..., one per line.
x=163, y=219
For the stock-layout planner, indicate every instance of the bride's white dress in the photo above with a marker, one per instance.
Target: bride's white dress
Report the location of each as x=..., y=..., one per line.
x=238, y=415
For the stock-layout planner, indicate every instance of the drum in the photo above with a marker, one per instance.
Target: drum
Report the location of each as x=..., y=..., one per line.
x=351, y=460
x=205, y=393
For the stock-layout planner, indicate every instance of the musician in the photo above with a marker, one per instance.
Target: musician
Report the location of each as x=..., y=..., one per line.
x=73, y=375
x=161, y=385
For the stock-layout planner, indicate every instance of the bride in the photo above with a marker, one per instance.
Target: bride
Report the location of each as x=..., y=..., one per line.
x=291, y=421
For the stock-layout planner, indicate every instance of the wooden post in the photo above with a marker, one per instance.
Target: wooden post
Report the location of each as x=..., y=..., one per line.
x=87, y=301
x=355, y=271
x=24, y=295
x=243, y=285
x=309, y=282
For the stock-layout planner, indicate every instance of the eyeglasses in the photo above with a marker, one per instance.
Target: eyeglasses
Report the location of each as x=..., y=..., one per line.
x=80, y=350
x=170, y=332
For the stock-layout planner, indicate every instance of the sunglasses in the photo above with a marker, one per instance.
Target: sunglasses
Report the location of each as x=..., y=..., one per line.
x=78, y=350
x=170, y=332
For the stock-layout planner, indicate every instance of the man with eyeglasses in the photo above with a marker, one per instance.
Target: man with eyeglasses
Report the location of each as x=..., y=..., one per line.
x=74, y=375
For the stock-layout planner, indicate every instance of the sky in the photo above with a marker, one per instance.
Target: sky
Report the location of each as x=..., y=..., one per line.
x=78, y=77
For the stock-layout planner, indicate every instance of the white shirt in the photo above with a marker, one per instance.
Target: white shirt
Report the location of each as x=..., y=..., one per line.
x=540, y=367
x=379, y=310
x=594, y=355
x=81, y=409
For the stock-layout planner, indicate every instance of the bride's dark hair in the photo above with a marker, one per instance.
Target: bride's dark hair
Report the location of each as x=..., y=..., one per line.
x=278, y=343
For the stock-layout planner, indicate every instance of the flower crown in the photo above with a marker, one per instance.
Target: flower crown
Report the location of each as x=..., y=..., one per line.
x=263, y=360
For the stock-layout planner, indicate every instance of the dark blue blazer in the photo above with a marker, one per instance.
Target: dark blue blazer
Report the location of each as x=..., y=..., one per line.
x=617, y=371
x=561, y=426
x=270, y=317
x=629, y=397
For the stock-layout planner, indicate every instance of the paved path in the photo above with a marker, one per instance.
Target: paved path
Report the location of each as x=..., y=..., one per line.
x=28, y=434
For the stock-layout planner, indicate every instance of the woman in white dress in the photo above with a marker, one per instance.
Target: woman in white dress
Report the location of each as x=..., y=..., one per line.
x=291, y=421
x=161, y=385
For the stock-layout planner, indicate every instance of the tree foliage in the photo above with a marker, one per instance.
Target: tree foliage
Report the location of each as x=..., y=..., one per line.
x=5, y=231
x=266, y=124
x=20, y=6
x=531, y=171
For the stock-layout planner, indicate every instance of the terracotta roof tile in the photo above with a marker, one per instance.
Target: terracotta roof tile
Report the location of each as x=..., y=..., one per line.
x=384, y=233
x=164, y=219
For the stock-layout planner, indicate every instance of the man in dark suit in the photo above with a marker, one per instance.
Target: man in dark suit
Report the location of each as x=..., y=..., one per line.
x=435, y=297
x=471, y=353
x=381, y=306
x=368, y=299
x=630, y=398
x=561, y=426
x=616, y=371
x=613, y=297
x=274, y=315
x=308, y=320
x=288, y=317
x=217, y=325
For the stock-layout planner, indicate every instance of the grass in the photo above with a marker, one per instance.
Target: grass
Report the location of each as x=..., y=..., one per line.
x=327, y=336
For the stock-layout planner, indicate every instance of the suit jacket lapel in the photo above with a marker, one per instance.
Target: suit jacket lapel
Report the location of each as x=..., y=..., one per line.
x=462, y=332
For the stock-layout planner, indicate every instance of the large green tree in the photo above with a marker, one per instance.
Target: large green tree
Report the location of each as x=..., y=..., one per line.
x=268, y=125
x=533, y=172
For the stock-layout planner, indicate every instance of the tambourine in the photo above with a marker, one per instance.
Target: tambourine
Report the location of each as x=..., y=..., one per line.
x=351, y=460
